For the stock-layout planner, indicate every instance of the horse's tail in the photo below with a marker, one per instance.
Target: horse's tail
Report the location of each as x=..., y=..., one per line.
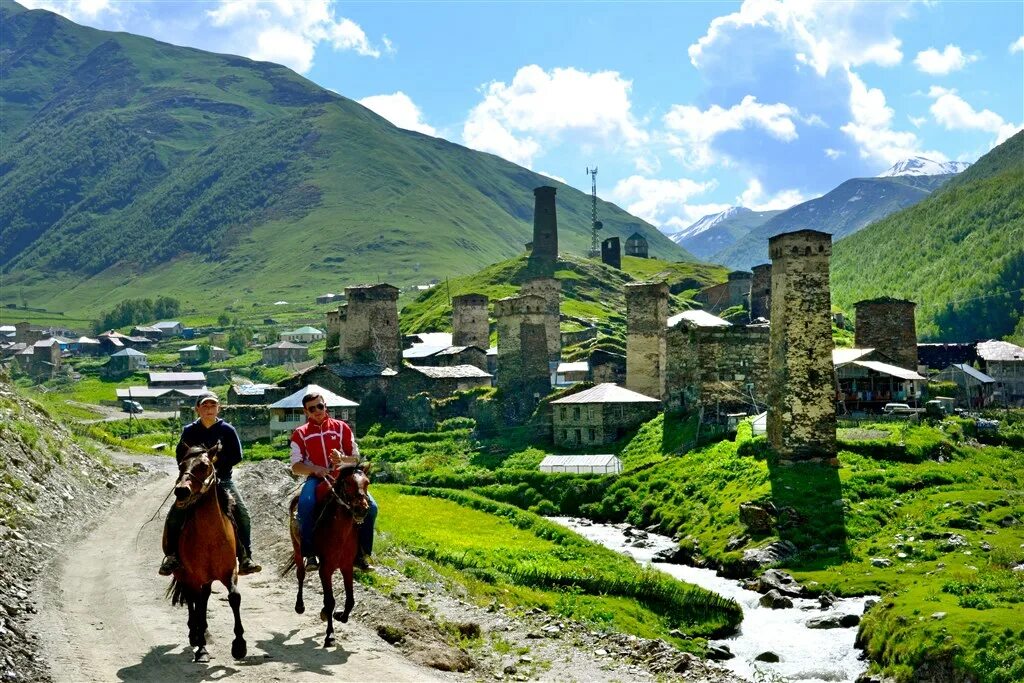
x=176, y=593
x=288, y=567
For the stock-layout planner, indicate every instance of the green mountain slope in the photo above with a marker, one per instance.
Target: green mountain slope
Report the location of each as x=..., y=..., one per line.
x=843, y=211
x=959, y=254
x=130, y=166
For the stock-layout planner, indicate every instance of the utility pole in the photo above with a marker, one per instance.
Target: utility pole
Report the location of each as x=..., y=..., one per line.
x=595, y=225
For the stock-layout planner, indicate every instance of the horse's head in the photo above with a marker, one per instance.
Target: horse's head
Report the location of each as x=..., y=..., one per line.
x=196, y=474
x=351, y=486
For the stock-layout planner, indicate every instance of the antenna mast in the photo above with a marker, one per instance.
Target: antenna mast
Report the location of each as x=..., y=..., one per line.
x=595, y=225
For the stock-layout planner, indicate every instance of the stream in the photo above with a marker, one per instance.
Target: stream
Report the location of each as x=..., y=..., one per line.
x=806, y=655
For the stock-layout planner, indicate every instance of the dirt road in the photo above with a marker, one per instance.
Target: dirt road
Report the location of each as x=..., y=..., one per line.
x=103, y=615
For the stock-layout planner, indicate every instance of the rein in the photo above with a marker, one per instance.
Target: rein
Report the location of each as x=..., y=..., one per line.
x=204, y=488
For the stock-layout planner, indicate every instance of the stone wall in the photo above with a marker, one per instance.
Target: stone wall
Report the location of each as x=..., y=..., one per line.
x=470, y=326
x=522, y=372
x=611, y=253
x=801, y=398
x=368, y=331
x=761, y=292
x=583, y=424
x=887, y=325
x=251, y=422
x=549, y=289
x=646, y=320
x=545, y=227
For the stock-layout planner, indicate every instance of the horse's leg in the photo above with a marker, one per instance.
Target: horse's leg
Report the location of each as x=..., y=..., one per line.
x=238, y=647
x=300, y=573
x=191, y=622
x=350, y=601
x=327, y=614
x=201, y=605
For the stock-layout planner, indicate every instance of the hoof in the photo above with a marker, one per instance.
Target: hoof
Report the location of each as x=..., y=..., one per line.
x=341, y=616
x=238, y=648
x=202, y=656
x=329, y=641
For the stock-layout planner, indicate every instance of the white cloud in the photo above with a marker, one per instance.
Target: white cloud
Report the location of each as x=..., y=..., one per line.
x=754, y=198
x=698, y=128
x=288, y=31
x=1017, y=45
x=954, y=113
x=554, y=177
x=75, y=10
x=833, y=153
x=918, y=121
x=659, y=201
x=823, y=34
x=931, y=61
x=871, y=127
x=399, y=109
x=544, y=107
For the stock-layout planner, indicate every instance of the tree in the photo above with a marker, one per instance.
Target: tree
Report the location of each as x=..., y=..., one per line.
x=223, y=320
x=238, y=340
x=203, y=354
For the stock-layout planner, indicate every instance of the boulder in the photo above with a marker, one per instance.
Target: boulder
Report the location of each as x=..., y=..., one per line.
x=775, y=600
x=719, y=652
x=826, y=600
x=881, y=562
x=687, y=552
x=775, y=580
x=768, y=656
x=775, y=552
x=849, y=620
x=827, y=621
x=759, y=519
x=736, y=542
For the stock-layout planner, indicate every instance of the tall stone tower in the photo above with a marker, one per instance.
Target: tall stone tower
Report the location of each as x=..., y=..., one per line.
x=801, y=389
x=545, y=227
x=887, y=325
x=470, y=326
x=761, y=292
x=549, y=289
x=646, y=332
x=368, y=326
x=611, y=253
x=522, y=373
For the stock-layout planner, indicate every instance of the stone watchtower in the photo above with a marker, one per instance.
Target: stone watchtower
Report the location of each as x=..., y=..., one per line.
x=470, y=326
x=801, y=391
x=368, y=326
x=611, y=253
x=761, y=292
x=887, y=325
x=549, y=289
x=646, y=332
x=545, y=227
x=522, y=349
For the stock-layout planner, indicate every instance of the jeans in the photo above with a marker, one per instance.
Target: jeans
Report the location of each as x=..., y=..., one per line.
x=176, y=520
x=307, y=519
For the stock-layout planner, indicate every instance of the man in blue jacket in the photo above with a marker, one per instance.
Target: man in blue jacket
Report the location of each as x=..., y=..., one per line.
x=206, y=432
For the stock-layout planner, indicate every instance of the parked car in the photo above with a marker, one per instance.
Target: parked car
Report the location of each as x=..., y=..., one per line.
x=897, y=409
x=131, y=406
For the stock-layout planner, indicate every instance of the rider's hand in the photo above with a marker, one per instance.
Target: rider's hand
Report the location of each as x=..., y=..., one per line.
x=322, y=472
x=335, y=457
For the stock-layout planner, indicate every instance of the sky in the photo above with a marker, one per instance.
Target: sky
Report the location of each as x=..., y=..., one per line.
x=685, y=108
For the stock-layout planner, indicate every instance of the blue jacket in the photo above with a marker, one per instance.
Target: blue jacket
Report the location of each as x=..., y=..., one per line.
x=195, y=434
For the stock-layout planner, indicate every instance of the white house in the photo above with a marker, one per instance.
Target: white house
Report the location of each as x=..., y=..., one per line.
x=287, y=414
x=303, y=335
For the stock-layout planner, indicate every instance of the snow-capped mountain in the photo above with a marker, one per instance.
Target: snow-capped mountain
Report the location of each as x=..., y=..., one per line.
x=717, y=231
x=924, y=166
x=707, y=222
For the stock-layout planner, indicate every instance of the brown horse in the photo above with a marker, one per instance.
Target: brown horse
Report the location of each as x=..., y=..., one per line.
x=206, y=550
x=337, y=538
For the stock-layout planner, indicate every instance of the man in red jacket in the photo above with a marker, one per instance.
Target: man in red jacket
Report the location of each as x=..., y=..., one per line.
x=320, y=445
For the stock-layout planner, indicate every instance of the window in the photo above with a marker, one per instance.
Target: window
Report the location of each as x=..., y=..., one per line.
x=579, y=435
x=562, y=412
x=576, y=413
x=593, y=434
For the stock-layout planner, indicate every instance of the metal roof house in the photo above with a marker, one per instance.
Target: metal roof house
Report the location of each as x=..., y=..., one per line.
x=599, y=415
x=581, y=464
x=1004, y=362
x=974, y=388
x=867, y=385
x=287, y=414
x=303, y=335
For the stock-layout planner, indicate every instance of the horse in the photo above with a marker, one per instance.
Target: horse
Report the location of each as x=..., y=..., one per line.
x=206, y=550
x=336, y=539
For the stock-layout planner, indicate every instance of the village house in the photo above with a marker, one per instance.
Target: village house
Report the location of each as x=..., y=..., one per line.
x=734, y=292
x=285, y=352
x=87, y=346
x=436, y=350
x=125, y=362
x=303, y=335
x=287, y=414
x=190, y=354
x=254, y=394
x=441, y=381
x=567, y=374
x=169, y=328
x=636, y=245
x=1003, y=362
x=599, y=415
x=607, y=367
x=148, y=331
x=41, y=360
x=866, y=385
x=329, y=298
x=167, y=390
x=974, y=387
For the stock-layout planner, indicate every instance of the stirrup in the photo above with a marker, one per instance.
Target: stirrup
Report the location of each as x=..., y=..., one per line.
x=169, y=564
x=246, y=566
x=312, y=564
x=362, y=563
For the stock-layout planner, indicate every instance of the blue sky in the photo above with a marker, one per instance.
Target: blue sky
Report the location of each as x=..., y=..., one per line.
x=685, y=107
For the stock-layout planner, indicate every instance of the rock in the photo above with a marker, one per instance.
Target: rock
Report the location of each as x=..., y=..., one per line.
x=849, y=620
x=827, y=621
x=986, y=546
x=954, y=541
x=509, y=668
x=775, y=600
x=780, y=581
x=390, y=634
x=1008, y=521
x=938, y=615
x=468, y=629
x=525, y=658
x=869, y=603
x=775, y=552
x=687, y=552
x=685, y=662
x=826, y=600
x=768, y=656
x=737, y=542
x=759, y=519
x=881, y=562
x=719, y=652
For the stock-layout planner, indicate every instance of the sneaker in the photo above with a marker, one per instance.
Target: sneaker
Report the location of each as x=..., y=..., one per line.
x=312, y=564
x=246, y=566
x=168, y=566
x=363, y=564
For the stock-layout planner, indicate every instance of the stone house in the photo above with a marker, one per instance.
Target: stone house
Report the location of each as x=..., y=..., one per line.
x=636, y=245
x=254, y=394
x=149, y=332
x=190, y=354
x=177, y=380
x=434, y=355
x=127, y=361
x=599, y=415
x=285, y=352
x=169, y=328
x=329, y=298
x=733, y=292
x=303, y=335
x=41, y=360
x=443, y=381
x=375, y=388
x=1003, y=362
x=607, y=366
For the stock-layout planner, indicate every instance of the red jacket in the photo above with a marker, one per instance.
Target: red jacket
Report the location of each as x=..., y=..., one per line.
x=312, y=443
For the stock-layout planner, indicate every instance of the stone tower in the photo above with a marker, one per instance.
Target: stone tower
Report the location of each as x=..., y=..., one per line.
x=887, y=325
x=368, y=326
x=761, y=292
x=470, y=326
x=545, y=227
x=646, y=330
x=522, y=372
x=549, y=289
x=611, y=253
x=801, y=390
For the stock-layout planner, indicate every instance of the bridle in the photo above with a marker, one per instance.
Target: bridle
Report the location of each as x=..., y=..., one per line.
x=204, y=487
x=343, y=499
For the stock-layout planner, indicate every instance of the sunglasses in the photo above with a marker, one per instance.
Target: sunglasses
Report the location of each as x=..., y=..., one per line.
x=315, y=406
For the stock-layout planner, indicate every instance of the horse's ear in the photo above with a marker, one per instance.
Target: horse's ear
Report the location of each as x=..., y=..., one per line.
x=366, y=467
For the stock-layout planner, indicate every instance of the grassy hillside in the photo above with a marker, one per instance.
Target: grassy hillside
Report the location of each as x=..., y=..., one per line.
x=958, y=254
x=132, y=167
x=590, y=290
x=841, y=212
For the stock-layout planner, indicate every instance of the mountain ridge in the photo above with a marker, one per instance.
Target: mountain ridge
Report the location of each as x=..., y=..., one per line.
x=717, y=231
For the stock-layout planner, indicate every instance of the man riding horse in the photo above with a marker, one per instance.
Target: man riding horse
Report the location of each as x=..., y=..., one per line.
x=319, y=446
x=206, y=432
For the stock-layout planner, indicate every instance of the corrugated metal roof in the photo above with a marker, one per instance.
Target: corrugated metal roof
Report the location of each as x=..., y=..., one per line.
x=887, y=369
x=607, y=393
x=451, y=372
x=141, y=392
x=129, y=352
x=698, y=318
x=973, y=372
x=841, y=356
x=177, y=377
x=578, y=366
x=604, y=460
x=305, y=329
x=252, y=389
x=287, y=345
x=195, y=347
x=330, y=398
x=87, y=340
x=999, y=350
x=423, y=350
x=166, y=323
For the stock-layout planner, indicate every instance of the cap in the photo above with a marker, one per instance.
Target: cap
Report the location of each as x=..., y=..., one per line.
x=208, y=396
